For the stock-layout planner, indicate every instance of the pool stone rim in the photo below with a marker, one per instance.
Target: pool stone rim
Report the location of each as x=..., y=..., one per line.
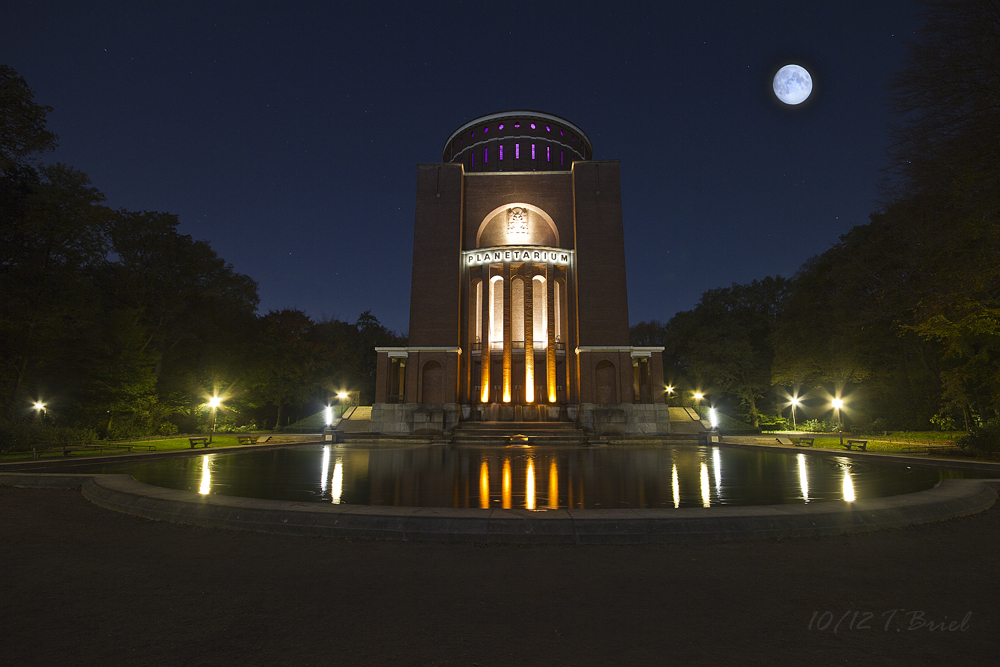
x=122, y=493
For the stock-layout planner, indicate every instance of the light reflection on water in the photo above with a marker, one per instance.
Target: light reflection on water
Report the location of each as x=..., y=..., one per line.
x=206, y=476
x=578, y=477
x=848, y=487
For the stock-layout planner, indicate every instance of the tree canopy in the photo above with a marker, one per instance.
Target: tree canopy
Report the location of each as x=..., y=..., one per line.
x=125, y=326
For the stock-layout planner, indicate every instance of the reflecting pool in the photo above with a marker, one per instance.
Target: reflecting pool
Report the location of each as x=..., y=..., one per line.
x=537, y=478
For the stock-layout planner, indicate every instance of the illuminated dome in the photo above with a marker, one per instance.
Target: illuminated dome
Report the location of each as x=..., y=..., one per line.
x=518, y=141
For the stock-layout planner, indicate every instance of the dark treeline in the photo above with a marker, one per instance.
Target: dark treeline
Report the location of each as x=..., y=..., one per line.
x=122, y=326
x=902, y=316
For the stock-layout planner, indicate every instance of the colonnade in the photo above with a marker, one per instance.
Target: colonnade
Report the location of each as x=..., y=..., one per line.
x=515, y=310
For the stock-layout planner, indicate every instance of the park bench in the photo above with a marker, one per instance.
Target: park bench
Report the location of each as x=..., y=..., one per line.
x=805, y=442
x=246, y=439
x=198, y=441
x=38, y=450
x=66, y=449
x=862, y=445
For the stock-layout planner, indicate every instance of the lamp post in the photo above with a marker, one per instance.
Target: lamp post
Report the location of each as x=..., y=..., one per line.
x=39, y=409
x=697, y=402
x=213, y=403
x=670, y=393
x=794, y=403
x=837, y=405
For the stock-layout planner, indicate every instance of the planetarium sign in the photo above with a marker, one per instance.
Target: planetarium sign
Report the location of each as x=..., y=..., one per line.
x=556, y=256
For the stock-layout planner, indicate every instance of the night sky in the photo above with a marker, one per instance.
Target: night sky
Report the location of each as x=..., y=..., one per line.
x=287, y=134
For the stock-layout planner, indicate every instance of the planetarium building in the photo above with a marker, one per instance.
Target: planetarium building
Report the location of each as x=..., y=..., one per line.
x=518, y=303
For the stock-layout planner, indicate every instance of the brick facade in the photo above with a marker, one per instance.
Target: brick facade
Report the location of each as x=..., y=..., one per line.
x=518, y=292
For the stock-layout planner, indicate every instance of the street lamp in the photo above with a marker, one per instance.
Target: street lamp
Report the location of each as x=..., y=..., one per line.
x=213, y=403
x=837, y=405
x=670, y=393
x=39, y=408
x=794, y=403
x=697, y=405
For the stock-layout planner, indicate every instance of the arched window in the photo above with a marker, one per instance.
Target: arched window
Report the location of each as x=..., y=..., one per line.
x=540, y=331
x=496, y=309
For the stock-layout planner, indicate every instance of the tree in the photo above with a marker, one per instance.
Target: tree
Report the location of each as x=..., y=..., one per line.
x=52, y=240
x=114, y=311
x=648, y=334
x=724, y=341
x=23, y=136
x=289, y=362
x=945, y=187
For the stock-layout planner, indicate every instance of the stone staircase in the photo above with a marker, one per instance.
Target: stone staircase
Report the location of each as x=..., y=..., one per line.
x=685, y=421
x=536, y=433
x=359, y=420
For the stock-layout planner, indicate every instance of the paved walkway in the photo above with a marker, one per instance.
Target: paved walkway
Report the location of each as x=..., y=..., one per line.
x=85, y=586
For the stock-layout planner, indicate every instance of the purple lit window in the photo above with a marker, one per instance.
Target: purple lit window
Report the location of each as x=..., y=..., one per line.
x=501, y=126
x=560, y=133
x=485, y=130
x=486, y=155
x=548, y=156
x=473, y=154
x=517, y=151
x=473, y=133
x=517, y=125
x=561, y=158
x=548, y=129
x=532, y=151
x=532, y=126
x=501, y=151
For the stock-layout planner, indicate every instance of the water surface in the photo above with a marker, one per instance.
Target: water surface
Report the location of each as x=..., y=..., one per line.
x=538, y=478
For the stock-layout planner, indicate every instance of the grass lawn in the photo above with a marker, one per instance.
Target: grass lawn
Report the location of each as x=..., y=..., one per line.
x=103, y=449
x=894, y=442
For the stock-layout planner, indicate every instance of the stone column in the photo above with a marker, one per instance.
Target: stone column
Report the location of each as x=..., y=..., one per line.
x=550, y=320
x=529, y=334
x=506, y=388
x=484, y=339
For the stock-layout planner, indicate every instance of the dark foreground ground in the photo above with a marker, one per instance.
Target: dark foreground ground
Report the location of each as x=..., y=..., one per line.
x=85, y=586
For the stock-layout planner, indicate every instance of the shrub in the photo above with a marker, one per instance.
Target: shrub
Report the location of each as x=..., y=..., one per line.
x=983, y=439
x=773, y=423
x=167, y=428
x=20, y=436
x=944, y=422
x=818, y=426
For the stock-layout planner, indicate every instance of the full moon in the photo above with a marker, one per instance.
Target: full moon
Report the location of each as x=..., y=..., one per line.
x=792, y=84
